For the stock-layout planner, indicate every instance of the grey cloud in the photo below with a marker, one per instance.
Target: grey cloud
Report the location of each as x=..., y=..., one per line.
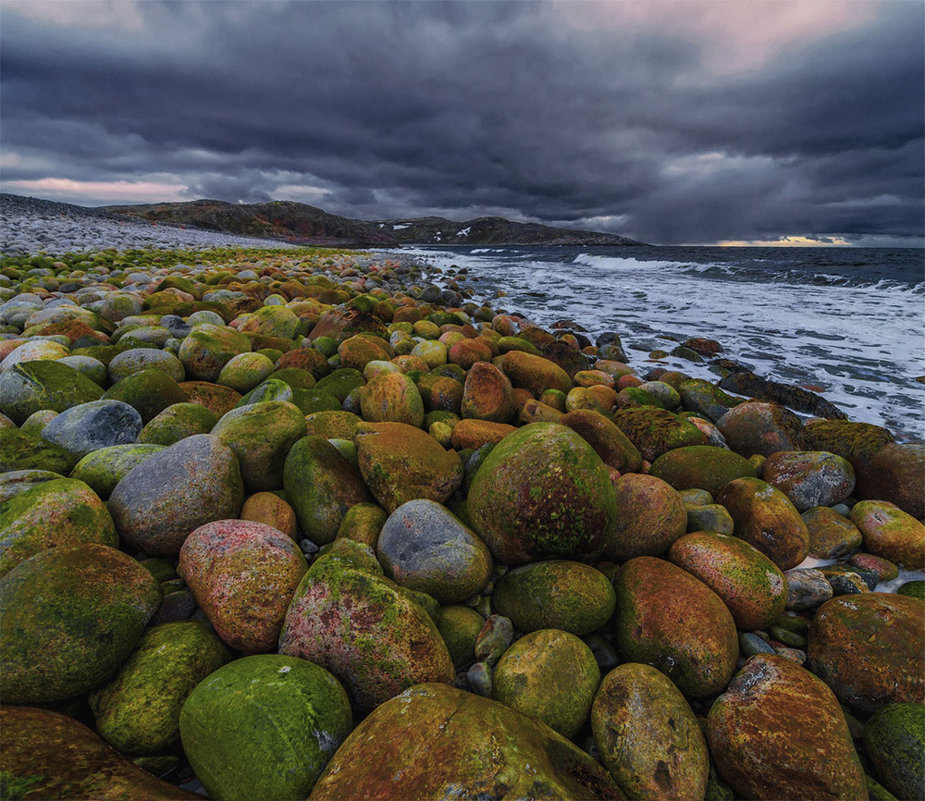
x=396, y=109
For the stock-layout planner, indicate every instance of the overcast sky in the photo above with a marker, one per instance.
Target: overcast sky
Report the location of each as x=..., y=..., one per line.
x=670, y=122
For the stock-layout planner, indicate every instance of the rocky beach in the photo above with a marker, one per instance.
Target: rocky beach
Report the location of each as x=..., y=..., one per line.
x=286, y=523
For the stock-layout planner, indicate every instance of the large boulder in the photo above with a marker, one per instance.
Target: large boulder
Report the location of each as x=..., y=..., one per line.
x=701, y=467
x=648, y=736
x=868, y=649
x=895, y=473
x=810, y=478
x=263, y=727
x=608, y=441
x=208, y=348
x=71, y=616
x=373, y=635
x=243, y=575
x=889, y=532
x=400, y=463
x=90, y=426
x=138, y=711
x=766, y=519
x=31, y=386
x=760, y=427
x=322, y=486
x=424, y=546
x=176, y=490
x=47, y=755
x=437, y=742
x=650, y=517
x=668, y=619
x=555, y=594
x=779, y=733
x=53, y=513
x=655, y=431
x=542, y=492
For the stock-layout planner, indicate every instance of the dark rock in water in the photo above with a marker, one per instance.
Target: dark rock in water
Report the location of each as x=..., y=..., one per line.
x=569, y=359
x=705, y=398
x=777, y=714
x=434, y=741
x=796, y=398
x=90, y=426
x=47, y=755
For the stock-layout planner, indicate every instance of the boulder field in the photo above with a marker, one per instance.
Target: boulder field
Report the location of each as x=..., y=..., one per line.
x=288, y=524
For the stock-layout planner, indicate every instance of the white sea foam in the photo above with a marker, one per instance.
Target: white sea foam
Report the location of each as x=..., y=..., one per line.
x=862, y=345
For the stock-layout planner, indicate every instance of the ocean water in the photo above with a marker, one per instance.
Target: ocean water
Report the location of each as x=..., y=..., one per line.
x=849, y=323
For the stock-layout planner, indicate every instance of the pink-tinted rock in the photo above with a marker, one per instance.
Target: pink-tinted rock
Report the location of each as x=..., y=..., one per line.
x=243, y=575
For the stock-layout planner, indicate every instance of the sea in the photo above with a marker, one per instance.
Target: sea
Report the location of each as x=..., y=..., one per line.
x=848, y=323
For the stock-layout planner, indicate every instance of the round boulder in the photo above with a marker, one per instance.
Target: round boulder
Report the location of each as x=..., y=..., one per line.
x=650, y=517
x=543, y=492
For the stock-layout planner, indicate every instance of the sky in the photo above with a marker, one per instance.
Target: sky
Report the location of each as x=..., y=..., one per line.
x=688, y=122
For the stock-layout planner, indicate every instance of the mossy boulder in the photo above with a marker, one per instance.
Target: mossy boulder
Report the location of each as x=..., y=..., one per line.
x=608, y=441
x=357, y=351
x=208, y=348
x=810, y=478
x=138, y=711
x=471, y=433
x=751, y=585
x=890, y=533
x=868, y=649
x=460, y=626
x=366, y=630
x=895, y=741
x=671, y=620
x=542, y=492
x=261, y=436
x=487, y=394
x=48, y=755
x=16, y=482
x=648, y=736
x=272, y=321
x=534, y=373
x=269, y=508
x=321, y=486
x=426, y=548
x=214, y=397
x=777, y=714
x=896, y=473
x=22, y=451
x=174, y=491
x=551, y=676
x=556, y=594
x=28, y=387
x=134, y=360
x=52, y=514
x=392, y=398
x=399, y=463
x=434, y=741
x=341, y=382
x=243, y=575
x=831, y=535
x=856, y=442
x=650, y=516
x=332, y=424
x=655, y=431
x=264, y=727
x=706, y=399
x=176, y=422
x=72, y=614
x=149, y=392
x=106, y=467
x=701, y=467
x=765, y=519
x=760, y=427
x=245, y=371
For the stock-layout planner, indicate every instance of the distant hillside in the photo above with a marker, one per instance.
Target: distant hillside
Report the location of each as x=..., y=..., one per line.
x=308, y=225
x=280, y=219
x=492, y=231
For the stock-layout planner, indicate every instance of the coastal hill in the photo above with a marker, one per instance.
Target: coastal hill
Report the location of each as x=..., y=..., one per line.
x=303, y=224
x=492, y=231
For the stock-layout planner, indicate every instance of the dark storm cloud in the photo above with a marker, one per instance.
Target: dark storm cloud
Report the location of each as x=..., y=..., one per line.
x=400, y=109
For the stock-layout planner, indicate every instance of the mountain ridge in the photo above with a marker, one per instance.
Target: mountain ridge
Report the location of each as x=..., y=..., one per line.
x=300, y=223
